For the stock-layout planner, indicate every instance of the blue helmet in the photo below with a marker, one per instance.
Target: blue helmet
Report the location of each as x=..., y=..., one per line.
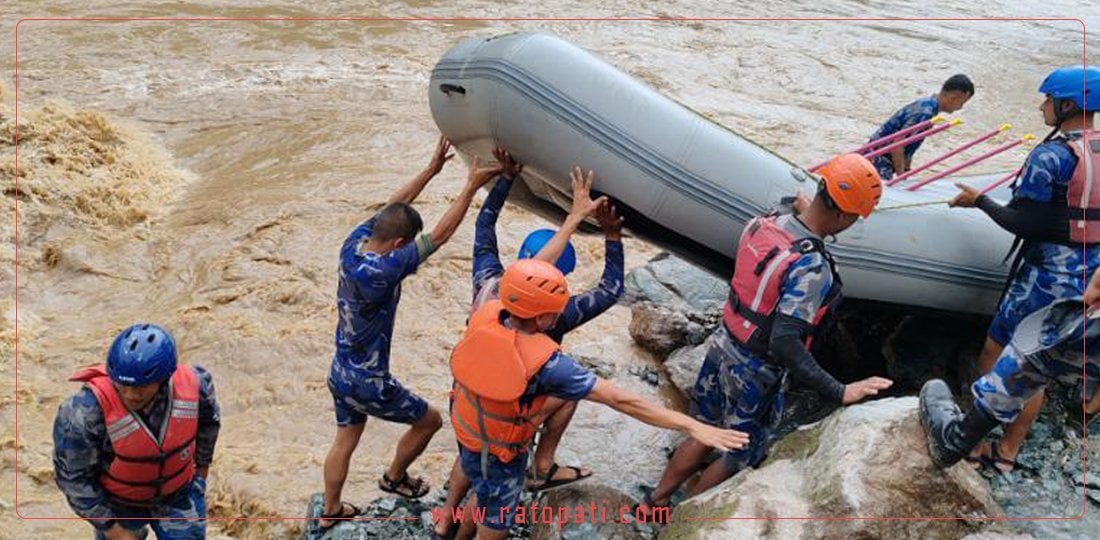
x=1079, y=84
x=141, y=354
x=538, y=238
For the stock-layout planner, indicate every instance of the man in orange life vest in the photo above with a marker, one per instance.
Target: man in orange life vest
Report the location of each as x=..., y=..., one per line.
x=554, y=247
x=784, y=283
x=510, y=376
x=133, y=446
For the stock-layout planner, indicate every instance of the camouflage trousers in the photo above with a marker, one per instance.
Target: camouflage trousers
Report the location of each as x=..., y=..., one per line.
x=182, y=519
x=1014, y=379
x=735, y=390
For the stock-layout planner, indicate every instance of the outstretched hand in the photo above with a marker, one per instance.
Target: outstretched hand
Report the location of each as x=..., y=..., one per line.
x=868, y=387
x=610, y=221
x=722, y=439
x=509, y=168
x=440, y=157
x=583, y=204
x=479, y=176
x=967, y=198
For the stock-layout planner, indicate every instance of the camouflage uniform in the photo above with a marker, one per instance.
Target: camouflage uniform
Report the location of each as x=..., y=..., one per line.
x=910, y=115
x=368, y=292
x=82, y=452
x=1049, y=271
x=581, y=308
x=736, y=389
x=1048, y=346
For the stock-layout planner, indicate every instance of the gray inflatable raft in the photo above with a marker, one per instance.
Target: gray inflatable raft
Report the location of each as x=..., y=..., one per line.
x=687, y=184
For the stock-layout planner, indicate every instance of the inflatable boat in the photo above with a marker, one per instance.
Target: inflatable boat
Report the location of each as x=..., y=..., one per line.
x=687, y=184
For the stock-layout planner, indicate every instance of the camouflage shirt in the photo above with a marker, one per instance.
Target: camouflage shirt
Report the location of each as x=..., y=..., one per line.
x=82, y=450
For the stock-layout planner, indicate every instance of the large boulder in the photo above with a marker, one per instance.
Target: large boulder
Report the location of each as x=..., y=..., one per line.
x=868, y=460
x=673, y=282
x=660, y=330
x=683, y=366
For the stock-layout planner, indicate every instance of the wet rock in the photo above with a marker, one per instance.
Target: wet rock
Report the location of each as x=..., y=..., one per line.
x=659, y=329
x=602, y=368
x=648, y=374
x=386, y=518
x=594, y=511
x=1055, y=479
x=867, y=460
x=673, y=282
x=683, y=366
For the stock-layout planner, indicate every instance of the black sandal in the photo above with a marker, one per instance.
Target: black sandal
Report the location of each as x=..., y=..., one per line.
x=339, y=516
x=997, y=459
x=409, y=488
x=549, y=483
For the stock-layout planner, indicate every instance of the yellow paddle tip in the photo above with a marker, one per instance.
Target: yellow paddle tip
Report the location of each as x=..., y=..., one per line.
x=956, y=121
x=938, y=118
x=1005, y=127
x=1027, y=137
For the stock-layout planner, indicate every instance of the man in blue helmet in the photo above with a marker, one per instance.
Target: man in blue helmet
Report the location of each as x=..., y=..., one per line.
x=1048, y=345
x=374, y=260
x=1055, y=213
x=134, y=445
x=955, y=92
x=553, y=247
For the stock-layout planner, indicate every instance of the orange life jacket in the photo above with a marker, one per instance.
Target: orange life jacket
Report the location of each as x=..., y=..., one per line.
x=492, y=366
x=147, y=469
x=1083, y=191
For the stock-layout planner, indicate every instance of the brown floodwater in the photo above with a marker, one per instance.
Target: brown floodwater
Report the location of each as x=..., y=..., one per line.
x=203, y=174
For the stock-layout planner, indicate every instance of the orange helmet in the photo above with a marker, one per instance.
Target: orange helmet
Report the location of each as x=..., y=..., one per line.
x=531, y=287
x=853, y=183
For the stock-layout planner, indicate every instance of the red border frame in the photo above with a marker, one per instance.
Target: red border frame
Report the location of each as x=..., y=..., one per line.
x=441, y=19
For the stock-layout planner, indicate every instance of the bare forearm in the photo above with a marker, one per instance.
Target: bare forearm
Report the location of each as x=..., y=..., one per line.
x=646, y=411
x=411, y=190
x=554, y=248
x=452, y=218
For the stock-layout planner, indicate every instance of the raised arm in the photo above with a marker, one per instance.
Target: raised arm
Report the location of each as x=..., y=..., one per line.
x=583, y=206
x=411, y=190
x=478, y=176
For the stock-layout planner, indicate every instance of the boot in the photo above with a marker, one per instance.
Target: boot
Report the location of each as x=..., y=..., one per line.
x=951, y=435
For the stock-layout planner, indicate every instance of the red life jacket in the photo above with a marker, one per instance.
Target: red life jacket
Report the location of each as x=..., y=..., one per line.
x=147, y=469
x=492, y=366
x=764, y=254
x=1083, y=191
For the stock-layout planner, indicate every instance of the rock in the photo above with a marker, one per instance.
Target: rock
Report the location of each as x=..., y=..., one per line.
x=594, y=511
x=647, y=374
x=867, y=460
x=683, y=366
x=673, y=282
x=404, y=524
x=658, y=329
x=602, y=368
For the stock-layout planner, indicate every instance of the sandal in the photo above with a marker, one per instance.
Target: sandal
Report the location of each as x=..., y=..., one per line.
x=995, y=460
x=339, y=516
x=647, y=500
x=409, y=488
x=549, y=482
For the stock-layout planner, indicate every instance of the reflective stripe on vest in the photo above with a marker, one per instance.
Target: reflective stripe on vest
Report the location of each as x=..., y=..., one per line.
x=765, y=253
x=492, y=366
x=1083, y=192
x=147, y=467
